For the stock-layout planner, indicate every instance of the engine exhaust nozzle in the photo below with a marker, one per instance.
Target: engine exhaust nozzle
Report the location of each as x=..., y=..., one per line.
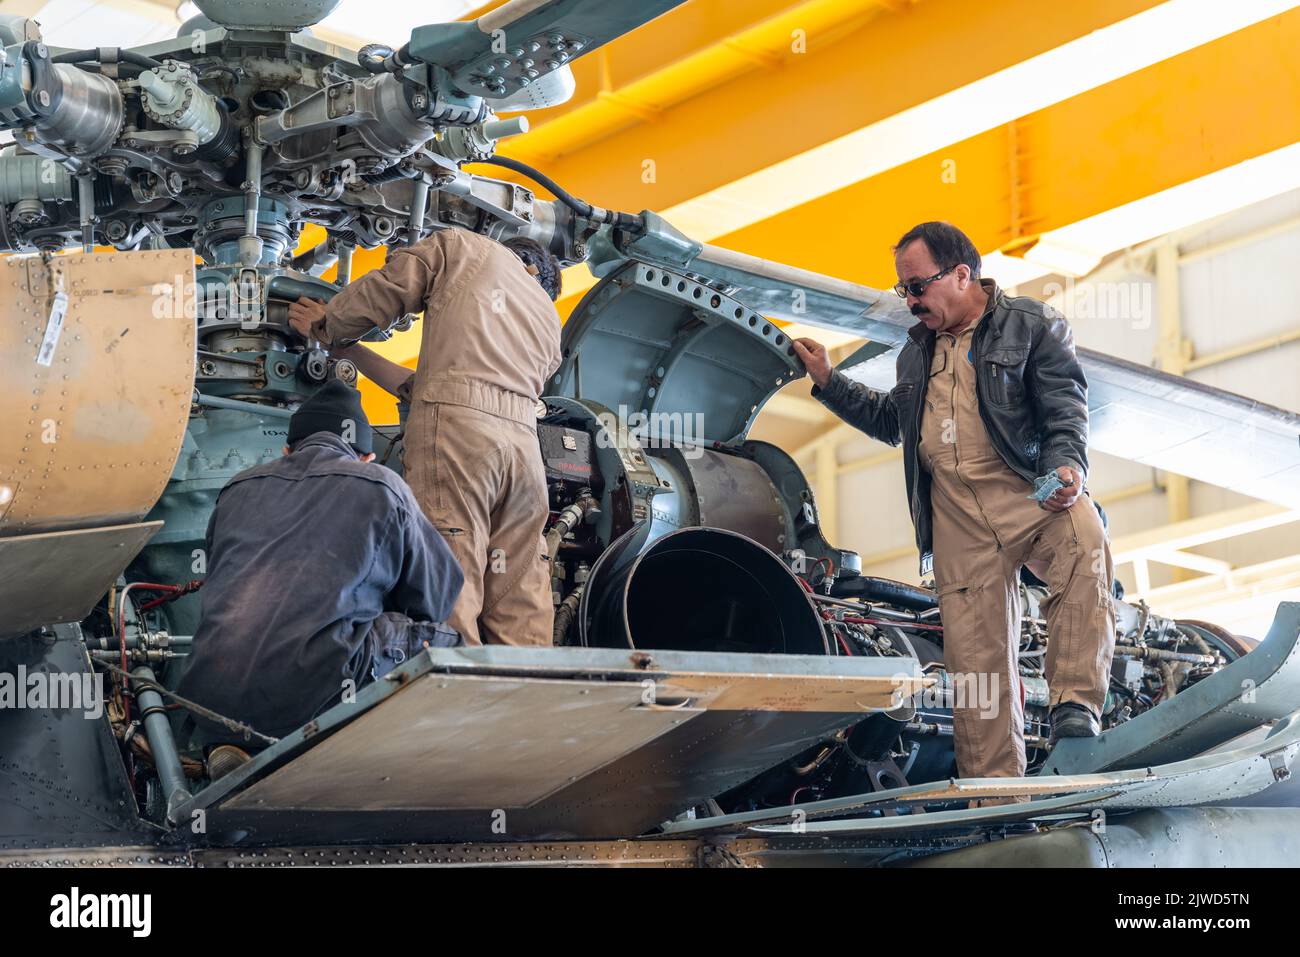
x=700, y=589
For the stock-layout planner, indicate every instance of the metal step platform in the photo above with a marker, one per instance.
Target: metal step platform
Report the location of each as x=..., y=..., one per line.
x=500, y=743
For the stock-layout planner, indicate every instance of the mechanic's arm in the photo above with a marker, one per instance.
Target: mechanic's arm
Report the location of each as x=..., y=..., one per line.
x=377, y=299
x=388, y=375
x=1061, y=391
x=873, y=412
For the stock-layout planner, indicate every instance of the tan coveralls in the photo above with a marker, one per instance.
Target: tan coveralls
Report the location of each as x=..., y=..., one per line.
x=985, y=528
x=491, y=339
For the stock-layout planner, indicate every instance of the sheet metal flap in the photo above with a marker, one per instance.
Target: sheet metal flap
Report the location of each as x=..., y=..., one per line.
x=489, y=743
x=1257, y=688
x=55, y=577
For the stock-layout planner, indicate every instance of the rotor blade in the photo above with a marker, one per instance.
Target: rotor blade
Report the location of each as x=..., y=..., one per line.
x=797, y=295
x=1142, y=414
x=524, y=40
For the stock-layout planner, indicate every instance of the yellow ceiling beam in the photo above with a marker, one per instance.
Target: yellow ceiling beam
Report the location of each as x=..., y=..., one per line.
x=1217, y=104
x=1186, y=118
x=831, y=169
x=722, y=115
x=688, y=51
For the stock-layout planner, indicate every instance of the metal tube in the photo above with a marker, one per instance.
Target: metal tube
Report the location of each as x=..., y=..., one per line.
x=133, y=641
x=250, y=244
x=32, y=177
x=866, y=608
x=86, y=198
x=217, y=402
x=344, y=275
x=148, y=654
x=415, y=225
x=928, y=728
x=1160, y=654
x=162, y=745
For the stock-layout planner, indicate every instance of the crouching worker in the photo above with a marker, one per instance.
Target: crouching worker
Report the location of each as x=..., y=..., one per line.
x=323, y=574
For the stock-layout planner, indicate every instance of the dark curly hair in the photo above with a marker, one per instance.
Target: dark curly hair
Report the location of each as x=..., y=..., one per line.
x=948, y=245
x=537, y=257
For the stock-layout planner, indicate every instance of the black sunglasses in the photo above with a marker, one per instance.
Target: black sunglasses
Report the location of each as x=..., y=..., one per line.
x=917, y=287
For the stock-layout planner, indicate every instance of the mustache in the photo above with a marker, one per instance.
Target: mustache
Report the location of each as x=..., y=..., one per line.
x=919, y=310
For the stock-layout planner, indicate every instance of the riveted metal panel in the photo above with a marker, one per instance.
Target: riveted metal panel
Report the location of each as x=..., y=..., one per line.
x=93, y=413
x=650, y=341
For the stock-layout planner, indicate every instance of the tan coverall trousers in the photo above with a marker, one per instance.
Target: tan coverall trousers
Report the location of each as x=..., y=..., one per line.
x=985, y=529
x=489, y=342
x=479, y=478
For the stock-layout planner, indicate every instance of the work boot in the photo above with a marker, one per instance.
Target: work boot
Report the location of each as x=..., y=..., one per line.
x=1070, y=720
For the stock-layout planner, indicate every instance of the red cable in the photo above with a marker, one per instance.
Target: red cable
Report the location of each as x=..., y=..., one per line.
x=888, y=624
x=177, y=591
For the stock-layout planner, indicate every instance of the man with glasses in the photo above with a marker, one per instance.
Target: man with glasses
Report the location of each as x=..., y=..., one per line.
x=990, y=398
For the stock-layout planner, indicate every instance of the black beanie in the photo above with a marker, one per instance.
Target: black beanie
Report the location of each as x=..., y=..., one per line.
x=336, y=407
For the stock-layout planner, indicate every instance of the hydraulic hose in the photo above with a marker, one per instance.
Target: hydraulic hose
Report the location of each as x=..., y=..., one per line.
x=565, y=615
x=97, y=56
x=581, y=207
x=166, y=759
x=569, y=519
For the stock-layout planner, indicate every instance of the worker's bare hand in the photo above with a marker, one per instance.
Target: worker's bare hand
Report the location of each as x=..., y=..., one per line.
x=1066, y=496
x=304, y=314
x=815, y=359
